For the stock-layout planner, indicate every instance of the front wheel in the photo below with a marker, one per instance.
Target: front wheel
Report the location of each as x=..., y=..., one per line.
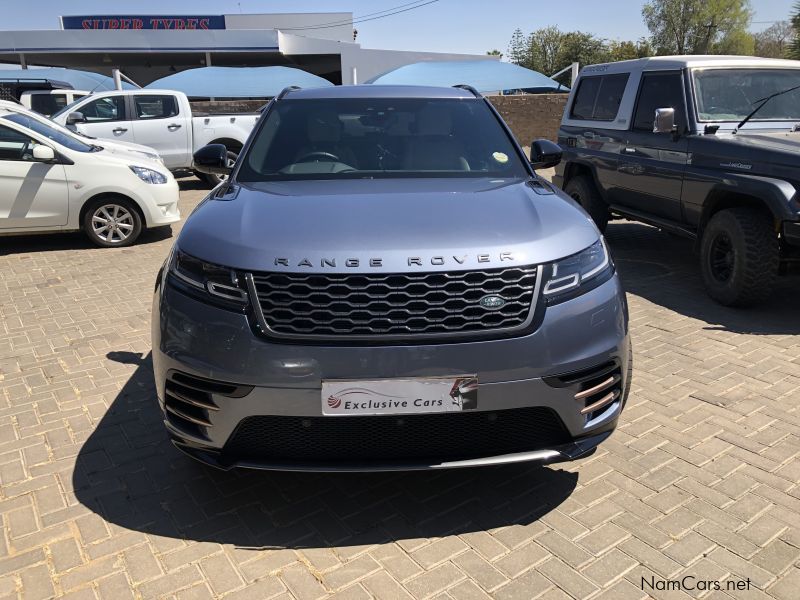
x=739, y=256
x=214, y=180
x=584, y=192
x=112, y=222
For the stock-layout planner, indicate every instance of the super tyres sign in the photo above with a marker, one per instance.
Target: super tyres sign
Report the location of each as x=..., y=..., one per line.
x=169, y=22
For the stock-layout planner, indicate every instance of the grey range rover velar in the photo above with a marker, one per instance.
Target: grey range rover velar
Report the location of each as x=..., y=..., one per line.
x=383, y=282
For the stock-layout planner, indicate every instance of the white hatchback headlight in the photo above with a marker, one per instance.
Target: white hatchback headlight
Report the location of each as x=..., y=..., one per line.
x=149, y=175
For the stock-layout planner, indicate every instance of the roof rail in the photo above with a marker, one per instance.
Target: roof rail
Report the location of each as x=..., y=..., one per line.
x=286, y=90
x=469, y=88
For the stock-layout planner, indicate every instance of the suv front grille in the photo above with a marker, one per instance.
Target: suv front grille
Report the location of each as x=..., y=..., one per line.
x=336, y=306
x=382, y=438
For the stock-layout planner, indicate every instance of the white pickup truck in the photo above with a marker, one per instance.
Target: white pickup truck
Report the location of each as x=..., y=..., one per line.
x=161, y=119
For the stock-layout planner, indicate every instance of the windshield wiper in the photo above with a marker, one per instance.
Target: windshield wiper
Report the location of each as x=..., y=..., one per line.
x=763, y=101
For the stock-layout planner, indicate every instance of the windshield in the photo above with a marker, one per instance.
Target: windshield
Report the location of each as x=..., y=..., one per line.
x=732, y=94
x=50, y=132
x=380, y=138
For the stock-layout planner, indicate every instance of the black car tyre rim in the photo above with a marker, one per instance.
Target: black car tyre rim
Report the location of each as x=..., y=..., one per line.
x=722, y=257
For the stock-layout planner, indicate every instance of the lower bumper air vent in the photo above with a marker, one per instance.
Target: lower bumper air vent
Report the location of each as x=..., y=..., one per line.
x=595, y=389
x=189, y=400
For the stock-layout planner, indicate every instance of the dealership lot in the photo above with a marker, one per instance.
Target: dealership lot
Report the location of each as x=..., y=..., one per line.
x=700, y=479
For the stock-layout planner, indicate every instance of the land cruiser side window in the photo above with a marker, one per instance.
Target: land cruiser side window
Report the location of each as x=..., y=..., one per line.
x=659, y=90
x=598, y=97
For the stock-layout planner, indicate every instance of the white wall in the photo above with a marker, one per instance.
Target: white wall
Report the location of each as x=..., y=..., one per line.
x=368, y=62
x=289, y=22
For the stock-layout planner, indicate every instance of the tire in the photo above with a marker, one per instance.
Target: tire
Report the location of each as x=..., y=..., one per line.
x=125, y=222
x=739, y=256
x=215, y=180
x=584, y=192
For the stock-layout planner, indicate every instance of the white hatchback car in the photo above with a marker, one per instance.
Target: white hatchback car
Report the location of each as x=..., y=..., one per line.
x=53, y=180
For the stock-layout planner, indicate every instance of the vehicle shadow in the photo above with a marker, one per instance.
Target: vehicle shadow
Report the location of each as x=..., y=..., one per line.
x=72, y=240
x=191, y=182
x=664, y=269
x=130, y=474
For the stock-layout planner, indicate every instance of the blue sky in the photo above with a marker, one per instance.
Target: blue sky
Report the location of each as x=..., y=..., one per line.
x=471, y=26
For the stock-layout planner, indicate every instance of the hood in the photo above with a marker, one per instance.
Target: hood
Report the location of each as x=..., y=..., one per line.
x=127, y=149
x=779, y=141
x=756, y=152
x=381, y=225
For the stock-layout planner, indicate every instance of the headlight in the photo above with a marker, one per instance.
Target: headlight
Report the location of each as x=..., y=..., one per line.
x=149, y=175
x=209, y=282
x=579, y=273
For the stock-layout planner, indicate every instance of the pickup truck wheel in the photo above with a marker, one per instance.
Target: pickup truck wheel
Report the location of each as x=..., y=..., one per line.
x=583, y=191
x=112, y=222
x=215, y=180
x=739, y=256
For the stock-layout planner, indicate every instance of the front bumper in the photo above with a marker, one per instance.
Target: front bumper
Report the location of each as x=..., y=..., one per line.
x=280, y=380
x=159, y=202
x=791, y=233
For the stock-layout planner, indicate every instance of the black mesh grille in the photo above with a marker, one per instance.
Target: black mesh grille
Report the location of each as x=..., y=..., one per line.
x=420, y=304
x=445, y=436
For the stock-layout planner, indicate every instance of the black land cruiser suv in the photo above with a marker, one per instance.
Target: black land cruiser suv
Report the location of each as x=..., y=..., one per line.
x=707, y=147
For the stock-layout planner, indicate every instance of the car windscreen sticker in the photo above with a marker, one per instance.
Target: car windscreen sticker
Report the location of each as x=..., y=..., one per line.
x=500, y=157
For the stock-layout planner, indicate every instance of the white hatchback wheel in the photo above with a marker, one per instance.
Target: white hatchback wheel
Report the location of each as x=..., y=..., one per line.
x=112, y=223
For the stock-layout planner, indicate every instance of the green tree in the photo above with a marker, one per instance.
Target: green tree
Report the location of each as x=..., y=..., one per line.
x=544, y=48
x=794, y=49
x=580, y=47
x=628, y=50
x=518, y=48
x=494, y=52
x=774, y=41
x=698, y=26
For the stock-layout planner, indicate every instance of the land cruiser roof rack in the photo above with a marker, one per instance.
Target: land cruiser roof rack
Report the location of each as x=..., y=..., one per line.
x=469, y=88
x=286, y=90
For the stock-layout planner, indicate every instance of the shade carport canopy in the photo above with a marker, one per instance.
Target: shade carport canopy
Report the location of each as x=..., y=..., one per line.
x=238, y=82
x=79, y=80
x=483, y=75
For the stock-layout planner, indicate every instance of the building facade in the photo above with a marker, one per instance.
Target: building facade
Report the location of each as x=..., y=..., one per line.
x=148, y=47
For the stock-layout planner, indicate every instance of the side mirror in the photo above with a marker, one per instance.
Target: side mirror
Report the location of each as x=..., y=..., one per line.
x=664, y=121
x=212, y=159
x=75, y=117
x=43, y=153
x=545, y=154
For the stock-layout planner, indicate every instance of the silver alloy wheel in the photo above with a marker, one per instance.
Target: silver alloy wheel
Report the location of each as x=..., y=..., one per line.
x=112, y=223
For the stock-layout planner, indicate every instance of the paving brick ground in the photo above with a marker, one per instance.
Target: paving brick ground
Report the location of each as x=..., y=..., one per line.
x=701, y=478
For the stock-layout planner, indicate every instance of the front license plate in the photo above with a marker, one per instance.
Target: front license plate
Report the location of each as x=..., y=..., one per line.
x=399, y=396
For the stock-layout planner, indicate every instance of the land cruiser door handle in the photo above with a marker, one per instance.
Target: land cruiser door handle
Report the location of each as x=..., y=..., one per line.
x=119, y=130
x=173, y=126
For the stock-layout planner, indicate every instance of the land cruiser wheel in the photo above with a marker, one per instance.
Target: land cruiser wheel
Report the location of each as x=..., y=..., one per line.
x=583, y=191
x=112, y=222
x=215, y=180
x=739, y=256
